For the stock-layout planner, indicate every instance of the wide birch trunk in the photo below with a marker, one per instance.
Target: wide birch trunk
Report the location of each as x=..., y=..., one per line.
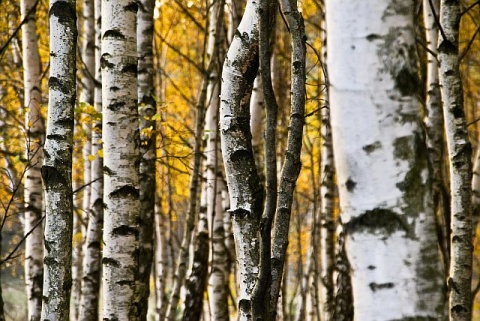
x=381, y=163
x=121, y=141
x=57, y=171
x=460, y=168
x=34, y=154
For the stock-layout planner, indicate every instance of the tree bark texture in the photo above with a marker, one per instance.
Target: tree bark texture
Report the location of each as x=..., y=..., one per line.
x=380, y=159
x=57, y=170
x=34, y=154
x=246, y=194
x=460, y=168
x=292, y=164
x=434, y=126
x=147, y=109
x=89, y=302
x=121, y=141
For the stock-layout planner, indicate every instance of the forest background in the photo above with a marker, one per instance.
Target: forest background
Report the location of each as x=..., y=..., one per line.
x=183, y=56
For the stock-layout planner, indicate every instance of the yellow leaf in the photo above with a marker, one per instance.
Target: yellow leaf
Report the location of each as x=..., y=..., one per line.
x=91, y=157
x=100, y=153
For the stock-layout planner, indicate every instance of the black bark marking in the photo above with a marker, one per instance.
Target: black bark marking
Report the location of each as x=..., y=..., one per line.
x=126, y=190
x=240, y=213
x=52, y=176
x=240, y=154
x=125, y=230
x=114, y=89
x=55, y=137
x=64, y=11
x=110, y=261
x=115, y=34
x=56, y=84
x=125, y=282
x=370, y=148
x=371, y=267
x=108, y=171
x=381, y=286
x=132, y=6
x=130, y=68
x=116, y=106
x=104, y=61
x=375, y=221
x=406, y=82
x=372, y=37
x=350, y=184
x=94, y=245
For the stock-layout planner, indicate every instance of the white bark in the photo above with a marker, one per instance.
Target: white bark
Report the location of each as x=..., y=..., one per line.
x=380, y=161
x=57, y=171
x=34, y=154
x=239, y=71
x=121, y=142
x=161, y=265
x=89, y=300
x=214, y=184
x=460, y=168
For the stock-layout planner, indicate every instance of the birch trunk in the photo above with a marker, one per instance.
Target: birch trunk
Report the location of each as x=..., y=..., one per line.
x=57, y=171
x=327, y=194
x=147, y=109
x=86, y=97
x=246, y=195
x=379, y=146
x=214, y=185
x=161, y=268
x=460, y=168
x=292, y=164
x=434, y=126
x=34, y=154
x=89, y=301
x=121, y=141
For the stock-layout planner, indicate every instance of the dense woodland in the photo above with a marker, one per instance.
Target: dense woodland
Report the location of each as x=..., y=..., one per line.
x=249, y=160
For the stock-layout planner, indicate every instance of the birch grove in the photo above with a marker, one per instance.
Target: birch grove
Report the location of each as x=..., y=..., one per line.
x=219, y=160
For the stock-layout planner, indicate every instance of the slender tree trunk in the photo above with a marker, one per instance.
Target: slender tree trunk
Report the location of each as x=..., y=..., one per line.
x=89, y=302
x=434, y=126
x=86, y=98
x=343, y=295
x=327, y=191
x=147, y=109
x=33, y=192
x=379, y=146
x=121, y=141
x=246, y=195
x=161, y=269
x=57, y=171
x=459, y=152
x=292, y=164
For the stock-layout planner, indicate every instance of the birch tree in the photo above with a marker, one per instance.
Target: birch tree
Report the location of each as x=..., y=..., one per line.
x=147, y=110
x=246, y=195
x=89, y=301
x=34, y=155
x=121, y=141
x=57, y=171
x=434, y=126
x=460, y=168
x=380, y=159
